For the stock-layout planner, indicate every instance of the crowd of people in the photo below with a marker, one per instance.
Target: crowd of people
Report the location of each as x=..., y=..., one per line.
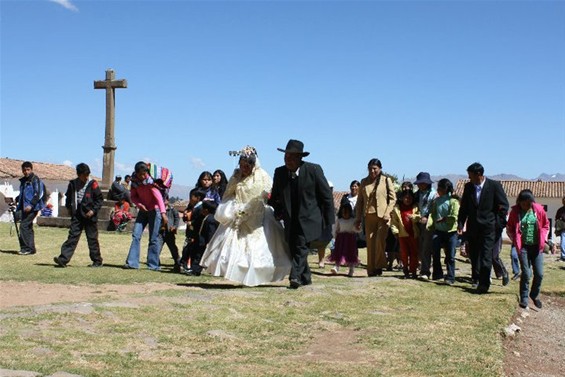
x=254, y=229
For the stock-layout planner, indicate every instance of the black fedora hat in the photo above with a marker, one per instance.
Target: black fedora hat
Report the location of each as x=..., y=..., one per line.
x=294, y=146
x=423, y=177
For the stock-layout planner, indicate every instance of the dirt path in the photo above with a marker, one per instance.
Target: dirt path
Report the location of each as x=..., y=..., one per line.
x=537, y=350
x=19, y=293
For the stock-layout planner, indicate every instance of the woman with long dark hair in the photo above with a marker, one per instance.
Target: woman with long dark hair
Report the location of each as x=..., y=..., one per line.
x=528, y=228
x=219, y=182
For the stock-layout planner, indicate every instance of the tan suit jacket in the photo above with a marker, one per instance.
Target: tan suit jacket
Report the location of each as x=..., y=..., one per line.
x=385, y=195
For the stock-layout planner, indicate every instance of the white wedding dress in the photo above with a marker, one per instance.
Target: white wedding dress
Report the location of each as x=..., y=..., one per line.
x=248, y=246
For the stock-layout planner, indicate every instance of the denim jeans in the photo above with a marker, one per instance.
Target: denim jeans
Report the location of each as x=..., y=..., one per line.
x=530, y=259
x=449, y=240
x=144, y=218
x=515, y=260
x=563, y=245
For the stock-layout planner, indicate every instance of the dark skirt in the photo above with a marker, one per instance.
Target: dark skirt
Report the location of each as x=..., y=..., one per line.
x=345, y=251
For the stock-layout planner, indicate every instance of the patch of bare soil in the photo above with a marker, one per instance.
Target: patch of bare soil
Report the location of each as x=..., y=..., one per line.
x=538, y=348
x=33, y=294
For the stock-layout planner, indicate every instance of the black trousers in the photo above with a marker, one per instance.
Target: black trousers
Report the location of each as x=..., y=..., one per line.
x=27, y=236
x=195, y=252
x=91, y=229
x=170, y=240
x=481, y=243
x=299, y=250
x=497, y=264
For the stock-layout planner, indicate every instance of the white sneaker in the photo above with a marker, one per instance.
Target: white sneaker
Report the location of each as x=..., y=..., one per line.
x=424, y=277
x=335, y=270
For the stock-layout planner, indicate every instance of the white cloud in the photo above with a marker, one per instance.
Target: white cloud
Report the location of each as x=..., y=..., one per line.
x=123, y=168
x=197, y=162
x=66, y=4
x=68, y=163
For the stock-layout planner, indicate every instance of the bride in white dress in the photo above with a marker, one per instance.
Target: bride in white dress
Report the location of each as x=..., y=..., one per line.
x=249, y=245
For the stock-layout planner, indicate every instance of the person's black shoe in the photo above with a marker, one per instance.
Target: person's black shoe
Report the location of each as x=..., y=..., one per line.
x=481, y=290
x=379, y=272
x=523, y=304
x=294, y=284
x=192, y=273
x=95, y=265
x=537, y=302
x=26, y=252
x=58, y=262
x=505, y=280
x=176, y=268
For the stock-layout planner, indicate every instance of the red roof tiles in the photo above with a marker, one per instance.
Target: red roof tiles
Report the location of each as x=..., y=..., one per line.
x=13, y=169
x=540, y=189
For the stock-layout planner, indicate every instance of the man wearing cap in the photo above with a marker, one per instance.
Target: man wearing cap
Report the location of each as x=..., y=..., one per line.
x=302, y=198
x=118, y=191
x=424, y=197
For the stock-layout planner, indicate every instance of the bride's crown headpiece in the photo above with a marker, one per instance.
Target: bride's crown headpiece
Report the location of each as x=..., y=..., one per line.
x=248, y=151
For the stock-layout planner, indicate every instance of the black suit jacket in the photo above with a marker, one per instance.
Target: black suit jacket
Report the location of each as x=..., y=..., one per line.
x=207, y=230
x=316, y=209
x=489, y=212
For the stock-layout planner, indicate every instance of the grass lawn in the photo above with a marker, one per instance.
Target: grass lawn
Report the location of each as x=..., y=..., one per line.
x=146, y=323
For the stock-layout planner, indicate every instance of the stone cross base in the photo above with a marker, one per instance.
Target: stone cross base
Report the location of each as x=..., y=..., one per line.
x=104, y=221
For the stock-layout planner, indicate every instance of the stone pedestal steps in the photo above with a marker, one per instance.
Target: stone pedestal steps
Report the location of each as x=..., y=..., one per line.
x=104, y=222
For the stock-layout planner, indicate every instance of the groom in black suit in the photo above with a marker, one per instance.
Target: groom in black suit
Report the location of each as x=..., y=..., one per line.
x=302, y=198
x=483, y=209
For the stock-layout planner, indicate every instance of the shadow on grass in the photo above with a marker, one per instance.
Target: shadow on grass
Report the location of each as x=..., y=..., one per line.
x=474, y=291
x=329, y=274
x=9, y=251
x=49, y=265
x=225, y=286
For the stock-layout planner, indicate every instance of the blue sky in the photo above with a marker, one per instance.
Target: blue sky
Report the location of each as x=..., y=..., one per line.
x=421, y=85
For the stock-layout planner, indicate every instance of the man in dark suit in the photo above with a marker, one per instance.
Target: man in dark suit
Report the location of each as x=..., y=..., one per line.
x=302, y=198
x=483, y=206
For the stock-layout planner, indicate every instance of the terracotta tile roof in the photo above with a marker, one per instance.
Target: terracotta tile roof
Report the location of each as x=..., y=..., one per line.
x=10, y=168
x=337, y=198
x=540, y=189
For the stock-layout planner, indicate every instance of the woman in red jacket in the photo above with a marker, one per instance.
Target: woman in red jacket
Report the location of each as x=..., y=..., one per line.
x=528, y=228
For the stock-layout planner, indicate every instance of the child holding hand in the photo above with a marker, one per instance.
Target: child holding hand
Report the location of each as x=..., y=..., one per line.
x=404, y=219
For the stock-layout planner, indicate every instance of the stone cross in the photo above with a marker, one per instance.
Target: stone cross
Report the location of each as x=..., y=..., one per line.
x=110, y=84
